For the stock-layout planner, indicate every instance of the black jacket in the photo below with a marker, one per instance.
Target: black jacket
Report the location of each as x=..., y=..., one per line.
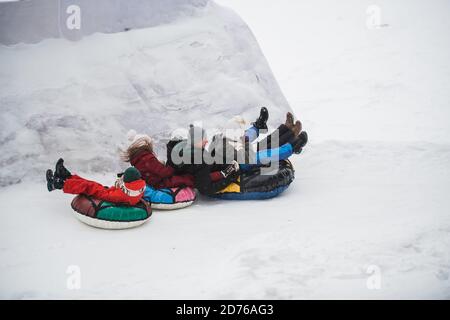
x=194, y=163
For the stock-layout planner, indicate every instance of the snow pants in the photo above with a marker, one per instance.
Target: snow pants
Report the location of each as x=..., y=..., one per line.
x=77, y=185
x=274, y=147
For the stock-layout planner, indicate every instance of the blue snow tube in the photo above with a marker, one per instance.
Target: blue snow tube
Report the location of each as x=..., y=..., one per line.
x=169, y=198
x=252, y=185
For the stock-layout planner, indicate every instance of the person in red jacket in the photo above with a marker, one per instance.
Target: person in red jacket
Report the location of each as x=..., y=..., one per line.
x=129, y=187
x=140, y=154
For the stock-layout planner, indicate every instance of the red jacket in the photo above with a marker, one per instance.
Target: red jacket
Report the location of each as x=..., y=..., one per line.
x=157, y=174
x=78, y=185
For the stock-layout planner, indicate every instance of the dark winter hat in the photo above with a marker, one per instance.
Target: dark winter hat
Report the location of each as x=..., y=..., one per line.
x=131, y=174
x=196, y=134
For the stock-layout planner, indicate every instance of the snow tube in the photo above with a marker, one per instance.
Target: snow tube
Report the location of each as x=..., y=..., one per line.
x=106, y=215
x=169, y=198
x=252, y=185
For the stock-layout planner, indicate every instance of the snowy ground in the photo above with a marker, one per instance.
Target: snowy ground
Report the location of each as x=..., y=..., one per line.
x=371, y=189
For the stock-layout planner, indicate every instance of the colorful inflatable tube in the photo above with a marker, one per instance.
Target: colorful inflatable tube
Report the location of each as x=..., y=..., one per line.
x=256, y=184
x=106, y=215
x=169, y=198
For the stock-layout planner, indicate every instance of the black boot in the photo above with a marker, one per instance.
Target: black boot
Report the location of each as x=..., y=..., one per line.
x=261, y=122
x=53, y=182
x=61, y=172
x=58, y=183
x=299, y=142
x=50, y=180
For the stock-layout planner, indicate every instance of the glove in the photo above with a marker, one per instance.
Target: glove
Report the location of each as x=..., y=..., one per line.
x=230, y=169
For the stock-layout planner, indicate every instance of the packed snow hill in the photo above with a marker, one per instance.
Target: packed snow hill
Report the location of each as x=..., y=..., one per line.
x=367, y=215
x=199, y=64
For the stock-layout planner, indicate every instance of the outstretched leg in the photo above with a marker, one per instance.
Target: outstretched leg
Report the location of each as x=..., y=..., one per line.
x=252, y=133
x=78, y=185
x=266, y=156
x=277, y=138
x=282, y=135
x=73, y=184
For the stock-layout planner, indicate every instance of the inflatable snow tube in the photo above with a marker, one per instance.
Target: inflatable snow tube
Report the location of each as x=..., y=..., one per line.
x=106, y=215
x=252, y=185
x=169, y=198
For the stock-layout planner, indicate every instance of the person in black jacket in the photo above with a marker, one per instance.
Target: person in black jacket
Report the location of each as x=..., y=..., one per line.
x=209, y=176
x=193, y=158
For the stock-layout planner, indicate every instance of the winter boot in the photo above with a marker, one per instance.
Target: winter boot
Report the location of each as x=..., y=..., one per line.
x=50, y=180
x=289, y=121
x=297, y=128
x=261, y=122
x=299, y=142
x=61, y=172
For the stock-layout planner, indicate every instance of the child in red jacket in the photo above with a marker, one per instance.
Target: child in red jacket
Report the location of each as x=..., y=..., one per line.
x=129, y=188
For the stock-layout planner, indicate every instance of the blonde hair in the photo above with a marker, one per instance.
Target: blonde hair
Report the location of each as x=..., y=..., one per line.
x=139, y=144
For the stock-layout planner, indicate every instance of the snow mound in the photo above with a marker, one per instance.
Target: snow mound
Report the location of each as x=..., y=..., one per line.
x=36, y=20
x=78, y=99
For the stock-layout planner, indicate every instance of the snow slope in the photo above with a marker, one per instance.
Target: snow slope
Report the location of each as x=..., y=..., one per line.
x=371, y=189
x=78, y=99
x=32, y=21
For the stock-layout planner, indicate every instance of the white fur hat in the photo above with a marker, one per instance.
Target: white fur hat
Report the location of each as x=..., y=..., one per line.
x=237, y=122
x=179, y=134
x=133, y=137
x=234, y=128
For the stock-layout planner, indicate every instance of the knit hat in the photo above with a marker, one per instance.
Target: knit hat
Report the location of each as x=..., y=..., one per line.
x=196, y=134
x=131, y=174
x=131, y=183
